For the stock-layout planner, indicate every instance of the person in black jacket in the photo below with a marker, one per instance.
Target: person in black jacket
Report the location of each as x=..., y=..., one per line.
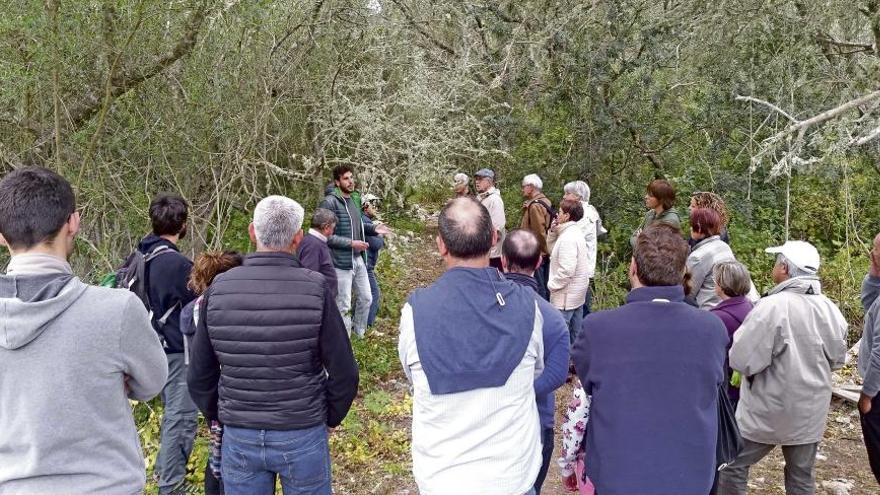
x=271, y=358
x=166, y=284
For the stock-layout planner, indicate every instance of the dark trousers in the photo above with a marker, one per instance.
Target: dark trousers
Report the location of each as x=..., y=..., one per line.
x=213, y=484
x=547, y=454
x=542, y=276
x=871, y=431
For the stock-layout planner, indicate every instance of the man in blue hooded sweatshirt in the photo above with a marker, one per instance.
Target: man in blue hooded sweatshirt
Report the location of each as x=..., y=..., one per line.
x=653, y=367
x=471, y=344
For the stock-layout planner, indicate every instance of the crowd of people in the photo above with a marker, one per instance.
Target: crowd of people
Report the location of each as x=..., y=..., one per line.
x=260, y=344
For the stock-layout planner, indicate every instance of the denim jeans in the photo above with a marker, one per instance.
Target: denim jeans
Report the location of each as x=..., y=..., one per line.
x=178, y=431
x=574, y=318
x=377, y=296
x=799, y=462
x=252, y=459
x=542, y=276
x=355, y=280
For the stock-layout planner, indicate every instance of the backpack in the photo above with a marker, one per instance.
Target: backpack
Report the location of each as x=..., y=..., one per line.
x=132, y=276
x=551, y=212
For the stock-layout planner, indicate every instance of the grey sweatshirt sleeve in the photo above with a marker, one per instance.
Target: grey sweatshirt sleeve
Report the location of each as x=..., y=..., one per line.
x=871, y=380
x=143, y=359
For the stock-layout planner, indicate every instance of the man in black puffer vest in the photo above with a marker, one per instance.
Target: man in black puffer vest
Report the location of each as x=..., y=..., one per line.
x=271, y=359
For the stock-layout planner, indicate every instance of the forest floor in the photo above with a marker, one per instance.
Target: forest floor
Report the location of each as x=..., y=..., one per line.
x=371, y=449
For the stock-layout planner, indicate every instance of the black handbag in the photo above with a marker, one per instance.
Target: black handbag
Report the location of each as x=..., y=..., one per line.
x=730, y=442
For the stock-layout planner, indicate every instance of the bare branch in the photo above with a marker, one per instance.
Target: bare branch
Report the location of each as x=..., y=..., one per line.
x=824, y=116
x=768, y=105
x=421, y=30
x=860, y=141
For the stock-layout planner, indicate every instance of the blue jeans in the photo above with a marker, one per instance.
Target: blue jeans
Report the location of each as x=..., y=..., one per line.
x=377, y=295
x=252, y=458
x=179, y=425
x=547, y=437
x=357, y=281
x=574, y=318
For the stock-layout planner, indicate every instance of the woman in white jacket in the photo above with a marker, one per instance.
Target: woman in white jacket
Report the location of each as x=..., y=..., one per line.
x=569, y=266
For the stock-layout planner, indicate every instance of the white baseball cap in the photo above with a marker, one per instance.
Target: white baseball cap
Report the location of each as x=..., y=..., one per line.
x=369, y=198
x=801, y=253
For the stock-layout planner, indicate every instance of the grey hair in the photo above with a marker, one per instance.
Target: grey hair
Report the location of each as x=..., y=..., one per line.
x=277, y=220
x=791, y=268
x=461, y=178
x=579, y=188
x=322, y=218
x=533, y=180
x=733, y=278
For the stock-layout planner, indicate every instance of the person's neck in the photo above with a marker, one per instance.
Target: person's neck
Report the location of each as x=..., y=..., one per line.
x=453, y=262
x=54, y=250
x=524, y=274
x=659, y=210
x=262, y=249
x=173, y=239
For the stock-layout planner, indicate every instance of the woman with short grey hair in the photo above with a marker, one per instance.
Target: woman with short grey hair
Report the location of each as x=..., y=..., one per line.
x=732, y=285
x=590, y=225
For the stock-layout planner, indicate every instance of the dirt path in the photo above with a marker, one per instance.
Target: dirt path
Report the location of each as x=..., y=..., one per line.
x=841, y=468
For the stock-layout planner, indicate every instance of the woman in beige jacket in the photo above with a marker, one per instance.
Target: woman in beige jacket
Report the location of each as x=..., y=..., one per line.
x=569, y=266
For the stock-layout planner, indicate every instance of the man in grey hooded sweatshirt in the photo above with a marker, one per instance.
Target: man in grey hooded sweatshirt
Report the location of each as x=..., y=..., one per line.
x=71, y=355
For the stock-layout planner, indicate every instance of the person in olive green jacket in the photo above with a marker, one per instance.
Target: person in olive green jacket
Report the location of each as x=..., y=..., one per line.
x=660, y=201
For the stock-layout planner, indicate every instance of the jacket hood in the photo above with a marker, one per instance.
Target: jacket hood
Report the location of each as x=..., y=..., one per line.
x=152, y=241
x=29, y=304
x=808, y=285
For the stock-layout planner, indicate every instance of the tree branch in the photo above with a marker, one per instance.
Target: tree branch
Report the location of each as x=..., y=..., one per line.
x=766, y=104
x=421, y=30
x=89, y=104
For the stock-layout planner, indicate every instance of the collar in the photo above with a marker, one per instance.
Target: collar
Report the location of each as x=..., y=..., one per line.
x=271, y=258
x=317, y=234
x=37, y=264
x=522, y=279
x=565, y=226
x=808, y=285
x=705, y=241
x=732, y=301
x=671, y=293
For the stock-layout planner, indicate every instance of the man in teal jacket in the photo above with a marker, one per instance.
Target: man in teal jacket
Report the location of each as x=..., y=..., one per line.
x=347, y=246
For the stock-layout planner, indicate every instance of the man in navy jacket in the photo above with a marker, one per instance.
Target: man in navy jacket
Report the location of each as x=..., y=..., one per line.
x=653, y=368
x=520, y=257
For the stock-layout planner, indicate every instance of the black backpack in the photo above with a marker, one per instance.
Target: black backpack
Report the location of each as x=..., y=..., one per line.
x=551, y=212
x=132, y=276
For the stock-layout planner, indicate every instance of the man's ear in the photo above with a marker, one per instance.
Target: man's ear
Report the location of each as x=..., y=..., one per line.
x=633, y=269
x=495, y=237
x=73, y=224
x=252, y=233
x=540, y=262
x=3, y=241
x=297, y=238
x=441, y=247
x=504, y=263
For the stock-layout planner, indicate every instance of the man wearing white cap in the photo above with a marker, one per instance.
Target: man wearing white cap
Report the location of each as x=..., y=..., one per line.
x=786, y=350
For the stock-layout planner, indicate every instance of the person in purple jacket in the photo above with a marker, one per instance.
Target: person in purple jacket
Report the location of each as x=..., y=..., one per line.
x=313, y=251
x=520, y=258
x=732, y=284
x=653, y=368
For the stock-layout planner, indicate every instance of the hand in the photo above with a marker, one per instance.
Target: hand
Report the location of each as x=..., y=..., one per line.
x=865, y=404
x=570, y=483
x=359, y=246
x=383, y=229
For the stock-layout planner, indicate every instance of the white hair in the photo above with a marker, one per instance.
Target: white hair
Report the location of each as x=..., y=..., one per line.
x=580, y=188
x=533, y=180
x=461, y=178
x=792, y=269
x=277, y=219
